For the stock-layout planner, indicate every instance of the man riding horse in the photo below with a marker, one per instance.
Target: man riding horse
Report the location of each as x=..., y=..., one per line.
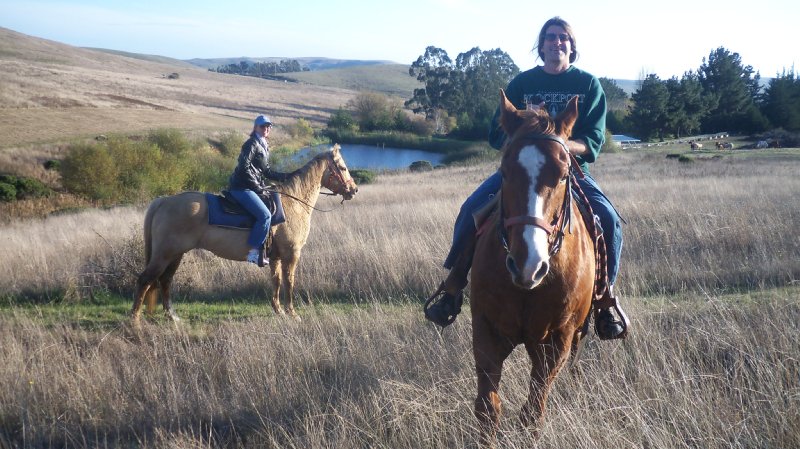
x=549, y=86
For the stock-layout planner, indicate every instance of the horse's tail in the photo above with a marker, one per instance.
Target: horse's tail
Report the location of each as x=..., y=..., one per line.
x=151, y=297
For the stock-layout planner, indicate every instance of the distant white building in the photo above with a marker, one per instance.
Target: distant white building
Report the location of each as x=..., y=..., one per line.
x=621, y=140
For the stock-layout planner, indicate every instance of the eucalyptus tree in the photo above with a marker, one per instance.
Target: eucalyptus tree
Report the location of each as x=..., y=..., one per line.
x=466, y=89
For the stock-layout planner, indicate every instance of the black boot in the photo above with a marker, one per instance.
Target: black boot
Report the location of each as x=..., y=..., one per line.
x=442, y=308
x=606, y=324
x=608, y=327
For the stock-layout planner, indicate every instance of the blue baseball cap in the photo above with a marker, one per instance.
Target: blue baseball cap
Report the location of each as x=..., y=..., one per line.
x=262, y=120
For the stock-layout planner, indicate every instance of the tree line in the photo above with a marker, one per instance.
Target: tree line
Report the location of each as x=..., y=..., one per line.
x=261, y=69
x=722, y=95
x=459, y=97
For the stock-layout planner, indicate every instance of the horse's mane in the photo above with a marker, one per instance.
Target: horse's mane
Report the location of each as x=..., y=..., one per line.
x=534, y=122
x=295, y=182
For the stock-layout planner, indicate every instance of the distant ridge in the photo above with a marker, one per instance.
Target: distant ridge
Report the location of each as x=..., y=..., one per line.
x=143, y=57
x=312, y=63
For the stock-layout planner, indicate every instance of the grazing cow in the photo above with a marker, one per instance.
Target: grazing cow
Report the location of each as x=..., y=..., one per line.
x=724, y=146
x=695, y=145
x=762, y=144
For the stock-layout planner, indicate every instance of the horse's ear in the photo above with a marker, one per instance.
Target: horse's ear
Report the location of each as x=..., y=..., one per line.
x=336, y=149
x=510, y=118
x=566, y=119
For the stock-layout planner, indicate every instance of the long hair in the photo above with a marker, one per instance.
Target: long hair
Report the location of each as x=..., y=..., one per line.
x=558, y=21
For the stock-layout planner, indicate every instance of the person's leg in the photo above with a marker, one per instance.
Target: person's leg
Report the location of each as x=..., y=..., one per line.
x=443, y=306
x=253, y=204
x=610, y=222
x=464, y=229
x=607, y=324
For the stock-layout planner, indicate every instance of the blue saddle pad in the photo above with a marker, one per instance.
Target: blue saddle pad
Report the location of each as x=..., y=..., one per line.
x=218, y=217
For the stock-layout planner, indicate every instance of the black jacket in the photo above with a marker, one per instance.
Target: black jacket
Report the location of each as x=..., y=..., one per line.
x=253, y=166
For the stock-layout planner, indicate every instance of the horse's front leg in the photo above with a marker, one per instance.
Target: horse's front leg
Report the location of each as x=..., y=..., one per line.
x=490, y=351
x=547, y=359
x=277, y=280
x=288, y=277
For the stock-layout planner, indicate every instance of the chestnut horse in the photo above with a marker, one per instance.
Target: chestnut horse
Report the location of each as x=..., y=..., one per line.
x=176, y=224
x=531, y=283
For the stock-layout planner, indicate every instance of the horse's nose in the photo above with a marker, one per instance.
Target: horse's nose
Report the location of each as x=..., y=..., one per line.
x=544, y=268
x=527, y=282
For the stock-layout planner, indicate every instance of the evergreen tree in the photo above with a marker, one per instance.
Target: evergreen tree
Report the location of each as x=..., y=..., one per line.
x=688, y=104
x=781, y=101
x=648, y=113
x=735, y=88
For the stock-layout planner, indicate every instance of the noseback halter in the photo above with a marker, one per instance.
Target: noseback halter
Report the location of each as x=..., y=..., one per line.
x=561, y=221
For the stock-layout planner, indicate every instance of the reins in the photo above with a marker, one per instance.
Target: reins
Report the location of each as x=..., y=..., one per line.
x=333, y=174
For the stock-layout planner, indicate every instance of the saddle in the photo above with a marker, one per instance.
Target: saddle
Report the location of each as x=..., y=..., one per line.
x=225, y=211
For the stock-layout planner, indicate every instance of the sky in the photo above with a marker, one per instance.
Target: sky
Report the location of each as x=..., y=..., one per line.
x=618, y=39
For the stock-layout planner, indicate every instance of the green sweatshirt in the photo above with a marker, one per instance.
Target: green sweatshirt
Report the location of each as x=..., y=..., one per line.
x=535, y=86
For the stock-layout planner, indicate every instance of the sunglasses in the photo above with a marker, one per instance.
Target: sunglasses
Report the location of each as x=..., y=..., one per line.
x=265, y=126
x=551, y=37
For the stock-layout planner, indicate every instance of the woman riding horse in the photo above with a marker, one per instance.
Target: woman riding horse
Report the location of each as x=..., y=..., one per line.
x=247, y=184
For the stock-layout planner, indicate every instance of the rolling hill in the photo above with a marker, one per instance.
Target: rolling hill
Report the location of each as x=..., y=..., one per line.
x=52, y=92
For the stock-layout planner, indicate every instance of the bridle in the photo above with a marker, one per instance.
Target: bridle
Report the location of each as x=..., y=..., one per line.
x=555, y=229
x=335, y=180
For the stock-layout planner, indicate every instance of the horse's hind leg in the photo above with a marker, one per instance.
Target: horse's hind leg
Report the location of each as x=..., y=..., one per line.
x=547, y=360
x=145, y=289
x=490, y=351
x=165, y=280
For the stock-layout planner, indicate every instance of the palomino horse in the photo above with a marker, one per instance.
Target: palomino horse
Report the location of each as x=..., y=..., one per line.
x=176, y=224
x=533, y=274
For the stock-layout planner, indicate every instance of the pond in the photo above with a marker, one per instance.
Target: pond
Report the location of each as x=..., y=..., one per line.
x=372, y=157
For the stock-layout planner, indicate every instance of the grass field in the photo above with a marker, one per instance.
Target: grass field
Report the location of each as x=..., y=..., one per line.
x=709, y=276
x=712, y=361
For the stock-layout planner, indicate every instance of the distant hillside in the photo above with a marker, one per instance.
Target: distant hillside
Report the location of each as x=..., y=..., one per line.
x=312, y=63
x=151, y=58
x=391, y=79
x=629, y=86
x=50, y=91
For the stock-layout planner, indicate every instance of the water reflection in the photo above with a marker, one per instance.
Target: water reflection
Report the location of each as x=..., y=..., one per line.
x=377, y=158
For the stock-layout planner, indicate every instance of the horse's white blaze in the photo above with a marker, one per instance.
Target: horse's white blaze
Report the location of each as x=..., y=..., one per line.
x=535, y=237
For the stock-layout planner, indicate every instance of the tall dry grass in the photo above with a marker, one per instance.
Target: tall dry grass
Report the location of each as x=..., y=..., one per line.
x=718, y=225
x=694, y=374
x=701, y=368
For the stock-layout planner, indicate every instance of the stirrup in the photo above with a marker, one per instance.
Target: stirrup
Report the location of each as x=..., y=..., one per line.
x=610, y=302
x=442, y=308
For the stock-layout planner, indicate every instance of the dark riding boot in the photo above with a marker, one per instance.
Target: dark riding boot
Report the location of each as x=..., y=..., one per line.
x=444, y=305
x=608, y=326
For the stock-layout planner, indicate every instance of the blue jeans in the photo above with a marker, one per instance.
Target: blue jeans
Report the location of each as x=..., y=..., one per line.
x=253, y=204
x=601, y=206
